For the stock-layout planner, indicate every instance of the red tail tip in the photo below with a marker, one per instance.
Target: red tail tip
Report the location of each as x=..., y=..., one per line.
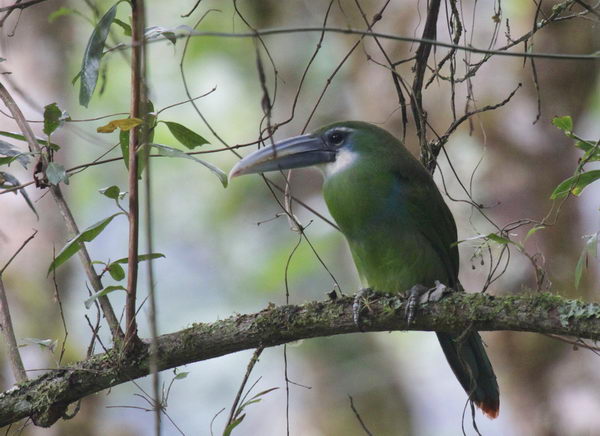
x=491, y=409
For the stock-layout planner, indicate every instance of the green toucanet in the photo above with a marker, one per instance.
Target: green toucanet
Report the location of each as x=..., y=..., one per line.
x=400, y=231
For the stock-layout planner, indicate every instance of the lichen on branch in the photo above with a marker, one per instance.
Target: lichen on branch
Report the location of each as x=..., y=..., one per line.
x=46, y=398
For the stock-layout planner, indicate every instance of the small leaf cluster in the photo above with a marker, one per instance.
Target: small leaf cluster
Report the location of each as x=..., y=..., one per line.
x=239, y=414
x=53, y=173
x=89, y=74
x=581, y=179
x=575, y=185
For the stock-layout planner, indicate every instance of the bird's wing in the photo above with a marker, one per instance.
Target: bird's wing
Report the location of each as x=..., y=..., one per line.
x=430, y=215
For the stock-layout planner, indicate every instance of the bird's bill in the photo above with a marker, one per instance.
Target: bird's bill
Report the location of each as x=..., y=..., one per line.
x=296, y=152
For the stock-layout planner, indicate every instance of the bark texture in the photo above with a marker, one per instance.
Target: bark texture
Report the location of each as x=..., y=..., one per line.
x=45, y=399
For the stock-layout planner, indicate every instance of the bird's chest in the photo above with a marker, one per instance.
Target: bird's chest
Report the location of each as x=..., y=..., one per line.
x=359, y=199
x=389, y=251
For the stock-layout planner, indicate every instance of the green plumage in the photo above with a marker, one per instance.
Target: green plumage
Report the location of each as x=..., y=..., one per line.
x=399, y=229
x=401, y=233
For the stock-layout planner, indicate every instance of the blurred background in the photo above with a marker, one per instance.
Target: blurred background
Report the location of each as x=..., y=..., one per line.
x=226, y=249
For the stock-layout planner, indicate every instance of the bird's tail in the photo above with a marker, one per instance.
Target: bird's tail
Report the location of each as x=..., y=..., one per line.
x=470, y=363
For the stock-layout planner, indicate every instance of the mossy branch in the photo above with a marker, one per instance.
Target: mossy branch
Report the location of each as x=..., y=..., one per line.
x=45, y=399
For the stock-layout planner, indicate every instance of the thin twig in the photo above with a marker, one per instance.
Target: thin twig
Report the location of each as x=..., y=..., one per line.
x=22, y=5
x=367, y=33
x=587, y=7
x=137, y=38
x=329, y=80
x=396, y=78
x=435, y=147
x=362, y=424
x=249, y=369
x=179, y=103
x=575, y=342
x=153, y=321
x=15, y=254
x=62, y=317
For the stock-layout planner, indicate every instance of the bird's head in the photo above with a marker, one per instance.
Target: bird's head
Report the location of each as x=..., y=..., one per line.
x=333, y=148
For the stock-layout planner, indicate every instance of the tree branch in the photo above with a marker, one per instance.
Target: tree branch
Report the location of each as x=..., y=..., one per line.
x=19, y=5
x=46, y=398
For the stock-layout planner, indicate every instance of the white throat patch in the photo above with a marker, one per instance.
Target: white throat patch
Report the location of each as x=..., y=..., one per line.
x=345, y=159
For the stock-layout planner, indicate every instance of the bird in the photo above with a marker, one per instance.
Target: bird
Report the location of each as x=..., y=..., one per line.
x=399, y=229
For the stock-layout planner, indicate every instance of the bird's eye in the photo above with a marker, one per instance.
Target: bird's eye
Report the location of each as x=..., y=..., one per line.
x=336, y=138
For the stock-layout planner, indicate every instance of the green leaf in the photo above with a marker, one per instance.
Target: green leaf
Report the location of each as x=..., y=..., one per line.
x=76, y=78
x=590, y=249
x=185, y=136
x=60, y=13
x=154, y=32
x=180, y=375
x=164, y=150
x=563, y=123
x=53, y=118
x=43, y=343
x=123, y=25
x=123, y=124
x=116, y=271
x=584, y=145
x=141, y=257
x=9, y=181
x=143, y=151
x=20, y=137
x=579, y=267
x=124, y=143
x=575, y=185
x=7, y=149
x=21, y=157
x=263, y=393
x=148, y=108
x=93, y=54
x=533, y=230
x=498, y=239
x=88, y=303
x=490, y=236
x=233, y=424
x=112, y=192
x=56, y=173
x=87, y=235
x=592, y=151
x=238, y=417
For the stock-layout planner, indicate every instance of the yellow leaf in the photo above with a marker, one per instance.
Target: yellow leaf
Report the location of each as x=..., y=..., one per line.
x=124, y=124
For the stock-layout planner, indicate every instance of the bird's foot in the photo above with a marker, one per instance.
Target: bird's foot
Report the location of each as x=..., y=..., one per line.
x=438, y=292
x=420, y=294
x=360, y=302
x=414, y=295
x=332, y=295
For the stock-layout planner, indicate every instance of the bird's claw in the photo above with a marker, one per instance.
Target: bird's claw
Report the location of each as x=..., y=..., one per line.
x=414, y=295
x=358, y=306
x=420, y=294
